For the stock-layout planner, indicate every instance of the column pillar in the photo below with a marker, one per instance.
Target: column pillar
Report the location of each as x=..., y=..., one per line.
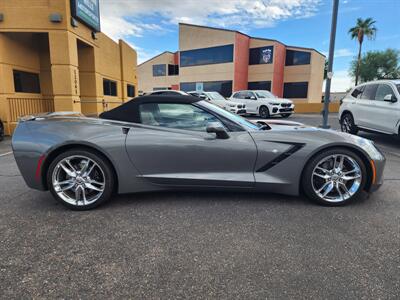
x=64, y=71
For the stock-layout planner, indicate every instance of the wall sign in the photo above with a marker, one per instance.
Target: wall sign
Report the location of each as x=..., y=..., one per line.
x=199, y=86
x=87, y=11
x=261, y=55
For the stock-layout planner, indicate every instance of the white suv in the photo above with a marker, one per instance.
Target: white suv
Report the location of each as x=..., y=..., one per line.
x=264, y=103
x=372, y=106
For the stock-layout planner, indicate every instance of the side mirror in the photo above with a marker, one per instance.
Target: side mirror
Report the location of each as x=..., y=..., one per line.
x=218, y=129
x=390, y=98
x=202, y=96
x=253, y=98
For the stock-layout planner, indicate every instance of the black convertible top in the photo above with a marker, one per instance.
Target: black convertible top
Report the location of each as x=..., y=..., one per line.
x=129, y=111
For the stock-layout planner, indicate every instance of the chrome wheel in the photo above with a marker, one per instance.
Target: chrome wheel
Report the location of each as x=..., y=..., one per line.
x=336, y=178
x=78, y=180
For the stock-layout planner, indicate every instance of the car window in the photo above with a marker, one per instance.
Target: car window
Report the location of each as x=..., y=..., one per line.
x=247, y=95
x=176, y=115
x=358, y=92
x=398, y=87
x=382, y=91
x=238, y=95
x=265, y=94
x=369, y=92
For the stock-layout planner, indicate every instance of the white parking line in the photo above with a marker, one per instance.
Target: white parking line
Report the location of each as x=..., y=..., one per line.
x=7, y=153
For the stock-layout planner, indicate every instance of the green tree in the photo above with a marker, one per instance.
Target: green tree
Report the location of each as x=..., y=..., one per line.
x=375, y=65
x=363, y=28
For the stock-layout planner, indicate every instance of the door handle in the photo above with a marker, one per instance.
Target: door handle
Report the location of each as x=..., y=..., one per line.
x=125, y=130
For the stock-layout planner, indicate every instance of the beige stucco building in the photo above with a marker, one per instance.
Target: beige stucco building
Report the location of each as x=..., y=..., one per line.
x=54, y=60
x=228, y=60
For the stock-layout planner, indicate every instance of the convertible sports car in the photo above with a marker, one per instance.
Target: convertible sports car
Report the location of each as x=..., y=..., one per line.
x=182, y=142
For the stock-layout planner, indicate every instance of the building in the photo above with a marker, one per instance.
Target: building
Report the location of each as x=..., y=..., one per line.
x=227, y=60
x=53, y=57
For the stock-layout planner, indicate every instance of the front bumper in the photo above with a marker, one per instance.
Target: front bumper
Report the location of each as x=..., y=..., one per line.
x=377, y=167
x=280, y=109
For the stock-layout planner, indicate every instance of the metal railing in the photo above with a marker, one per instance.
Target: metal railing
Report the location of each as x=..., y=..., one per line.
x=104, y=102
x=18, y=107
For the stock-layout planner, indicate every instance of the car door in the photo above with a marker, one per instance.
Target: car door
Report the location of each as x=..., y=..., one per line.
x=251, y=102
x=172, y=147
x=366, y=105
x=386, y=113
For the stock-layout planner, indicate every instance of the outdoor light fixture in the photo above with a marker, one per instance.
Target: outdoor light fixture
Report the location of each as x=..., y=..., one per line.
x=94, y=35
x=74, y=23
x=55, y=18
x=1, y=17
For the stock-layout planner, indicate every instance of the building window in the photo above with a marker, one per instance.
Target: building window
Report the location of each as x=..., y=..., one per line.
x=222, y=87
x=25, y=82
x=173, y=70
x=259, y=85
x=130, y=90
x=295, y=90
x=159, y=70
x=109, y=87
x=206, y=56
x=262, y=55
x=297, y=58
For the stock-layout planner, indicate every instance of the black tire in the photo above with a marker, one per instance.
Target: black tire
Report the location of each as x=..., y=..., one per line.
x=307, y=177
x=1, y=131
x=103, y=164
x=264, y=112
x=347, y=124
x=285, y=115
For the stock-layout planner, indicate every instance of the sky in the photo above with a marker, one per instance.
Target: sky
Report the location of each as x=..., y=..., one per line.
x=151, y=26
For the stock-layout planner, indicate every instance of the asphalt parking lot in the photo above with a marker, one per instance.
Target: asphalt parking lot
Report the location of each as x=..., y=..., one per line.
x=201, y=245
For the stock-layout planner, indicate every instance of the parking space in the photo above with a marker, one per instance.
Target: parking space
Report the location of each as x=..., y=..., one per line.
x=201, y=245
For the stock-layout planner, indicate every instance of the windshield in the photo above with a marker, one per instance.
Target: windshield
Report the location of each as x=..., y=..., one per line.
x=215, y=96
x=234, y=117
x=265, y=94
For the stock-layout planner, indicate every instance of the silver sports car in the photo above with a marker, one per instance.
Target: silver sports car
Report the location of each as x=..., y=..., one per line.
x=181, y=142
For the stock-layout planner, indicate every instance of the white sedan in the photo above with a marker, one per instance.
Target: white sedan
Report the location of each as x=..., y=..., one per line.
x=217, y=99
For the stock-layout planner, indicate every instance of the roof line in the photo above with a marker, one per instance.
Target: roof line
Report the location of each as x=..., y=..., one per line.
x=156, y=57
x=234, y=31
x=252, y=37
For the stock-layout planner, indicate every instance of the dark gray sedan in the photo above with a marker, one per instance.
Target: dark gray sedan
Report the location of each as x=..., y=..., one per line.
x=180, y=142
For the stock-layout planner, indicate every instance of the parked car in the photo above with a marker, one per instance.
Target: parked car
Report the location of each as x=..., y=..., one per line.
x=1, y=131
x=217, y=99
x=264, y=103
x=180, y=143
x=167, y=92
x=372, y=106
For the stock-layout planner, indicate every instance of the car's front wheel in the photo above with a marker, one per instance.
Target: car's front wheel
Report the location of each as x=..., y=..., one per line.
x=347, y=124
x=80, y=179
x=264, y=112
x=334, y=177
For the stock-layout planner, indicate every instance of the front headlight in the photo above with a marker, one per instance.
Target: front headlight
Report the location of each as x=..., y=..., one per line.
x=370, y=148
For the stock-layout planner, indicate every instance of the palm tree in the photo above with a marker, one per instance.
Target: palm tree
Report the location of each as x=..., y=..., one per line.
x=363, y=28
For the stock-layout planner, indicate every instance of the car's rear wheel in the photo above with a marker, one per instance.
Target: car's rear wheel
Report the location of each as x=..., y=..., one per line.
x=334, y=177
x=264, y=112
x=80, y=179
x=285, y=115
x=347, y=124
